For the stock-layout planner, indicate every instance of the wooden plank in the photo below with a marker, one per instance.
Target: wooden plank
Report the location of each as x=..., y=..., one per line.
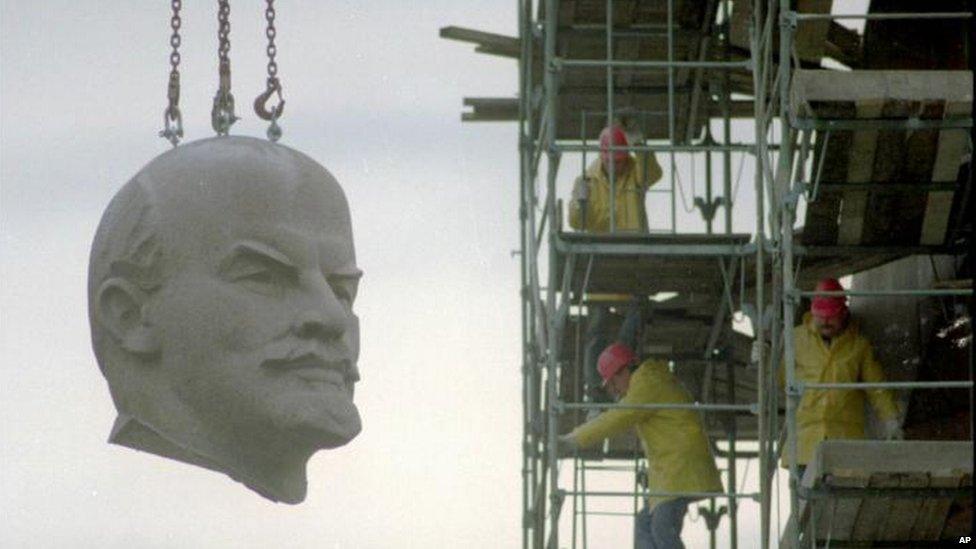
x=488, y=42
x=811, y=36
x=957, y=525
x=899, y=156
x=887, y=464
x=932, y=514
x=840, y=266
x=811, y=86
x=951, y=147
x=899, y=521
x=626, y=48
x=904, y=226
x=907, y=456
x=839, y=515
x=843, y=44
x=873, y=510
x=820, y=226
x=854, y=204
x=914, y=43
x=741, y=19
x=891, y=164
x=490, y=109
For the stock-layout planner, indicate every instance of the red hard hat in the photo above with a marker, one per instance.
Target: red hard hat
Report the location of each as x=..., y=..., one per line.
x=828, y=306
x=613, y=359
x=613, y=135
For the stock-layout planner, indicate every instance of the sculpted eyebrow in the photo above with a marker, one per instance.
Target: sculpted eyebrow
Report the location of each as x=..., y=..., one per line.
x=346, y=275
x=257, y=248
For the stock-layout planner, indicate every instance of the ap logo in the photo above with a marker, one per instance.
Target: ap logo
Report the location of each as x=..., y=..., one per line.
x=965, y=539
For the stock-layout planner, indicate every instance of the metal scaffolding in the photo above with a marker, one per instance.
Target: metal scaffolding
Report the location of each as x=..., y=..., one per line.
x=544, y=324
x=706, y=82
x=786, y=189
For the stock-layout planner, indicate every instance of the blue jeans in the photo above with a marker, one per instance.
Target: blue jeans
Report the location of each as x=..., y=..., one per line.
x=661, y=528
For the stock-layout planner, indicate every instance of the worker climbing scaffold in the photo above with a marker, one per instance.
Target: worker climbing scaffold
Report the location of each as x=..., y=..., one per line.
x=674, y=441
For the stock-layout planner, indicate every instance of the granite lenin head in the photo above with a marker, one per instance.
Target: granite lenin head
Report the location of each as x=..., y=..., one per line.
x=221, y=284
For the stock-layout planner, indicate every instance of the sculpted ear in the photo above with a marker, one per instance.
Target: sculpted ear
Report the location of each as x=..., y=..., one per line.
x=120, y=311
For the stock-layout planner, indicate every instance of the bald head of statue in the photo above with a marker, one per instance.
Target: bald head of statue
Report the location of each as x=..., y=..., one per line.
x=221, y=285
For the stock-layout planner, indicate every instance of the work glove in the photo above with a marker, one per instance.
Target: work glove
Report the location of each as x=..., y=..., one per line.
x=891, y=430
x=581, y=189
x=566, y=446
x=757, y=347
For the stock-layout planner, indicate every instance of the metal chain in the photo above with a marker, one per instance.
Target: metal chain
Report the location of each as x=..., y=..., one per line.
x=271, y=32
x=172, y=118
x=222, y=115
x=273, y=84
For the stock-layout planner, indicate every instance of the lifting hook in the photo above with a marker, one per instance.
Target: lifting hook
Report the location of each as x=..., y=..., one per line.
x=260, y=102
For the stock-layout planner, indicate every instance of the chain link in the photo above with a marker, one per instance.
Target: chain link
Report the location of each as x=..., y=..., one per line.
x=172, y=117
x=273, y=86
x=271, y=32
x=222, y=115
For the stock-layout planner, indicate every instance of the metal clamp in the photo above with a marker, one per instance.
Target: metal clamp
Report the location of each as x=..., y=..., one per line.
x=222, y=115
x=172, y=125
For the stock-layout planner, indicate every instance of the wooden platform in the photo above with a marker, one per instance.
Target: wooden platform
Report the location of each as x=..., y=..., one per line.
x=877, y=517
x=884, y=187
x=626, y=273
x=640, y=95
x=814, y=40
x=641, y=34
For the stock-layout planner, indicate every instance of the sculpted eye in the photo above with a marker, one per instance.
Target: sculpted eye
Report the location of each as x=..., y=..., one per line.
x=259, y=274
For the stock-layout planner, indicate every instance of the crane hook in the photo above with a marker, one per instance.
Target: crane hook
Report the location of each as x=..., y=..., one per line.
x=260, y=102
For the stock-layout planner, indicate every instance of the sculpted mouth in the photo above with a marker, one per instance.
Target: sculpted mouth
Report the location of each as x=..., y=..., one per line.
x=314, y=369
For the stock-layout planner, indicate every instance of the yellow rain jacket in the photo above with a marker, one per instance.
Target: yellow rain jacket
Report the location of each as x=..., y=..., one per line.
x=835, y=414
x=630, y=186
x=679, y=458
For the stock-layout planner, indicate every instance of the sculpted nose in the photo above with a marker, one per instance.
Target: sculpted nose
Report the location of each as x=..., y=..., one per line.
x=321, y=315
x=312, y=324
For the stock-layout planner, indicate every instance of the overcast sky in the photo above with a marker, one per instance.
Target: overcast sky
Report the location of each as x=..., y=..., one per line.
x=374, y=95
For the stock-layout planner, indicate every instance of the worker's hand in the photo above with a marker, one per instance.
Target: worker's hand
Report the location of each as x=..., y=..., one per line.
x=566, y=446
x=581, y=189
x=758, y=347
x=891, y=430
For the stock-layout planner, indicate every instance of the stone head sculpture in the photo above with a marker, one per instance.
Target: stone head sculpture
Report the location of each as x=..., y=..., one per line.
x=221, y=284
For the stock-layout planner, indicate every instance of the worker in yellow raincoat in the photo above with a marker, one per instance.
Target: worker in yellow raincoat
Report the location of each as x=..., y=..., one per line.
x=674, y=440
x=589, y=210
x=830, y=349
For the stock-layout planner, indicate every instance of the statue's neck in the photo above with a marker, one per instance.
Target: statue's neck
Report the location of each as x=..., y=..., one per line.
x=276, y=475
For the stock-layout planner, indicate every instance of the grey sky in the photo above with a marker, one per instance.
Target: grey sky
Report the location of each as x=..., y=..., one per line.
x=374, y=95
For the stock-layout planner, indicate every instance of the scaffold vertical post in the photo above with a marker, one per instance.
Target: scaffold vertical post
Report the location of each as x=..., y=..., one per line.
x=523, y=146
x=759, y=100
x=552, y=154
x=786, y=236
x=726, y=119
x=612, y=168
x=672, y=169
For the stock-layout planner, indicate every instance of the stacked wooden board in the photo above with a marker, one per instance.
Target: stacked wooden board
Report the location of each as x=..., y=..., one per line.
x=641, y=99
x=883, y=187
x=880, y=516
